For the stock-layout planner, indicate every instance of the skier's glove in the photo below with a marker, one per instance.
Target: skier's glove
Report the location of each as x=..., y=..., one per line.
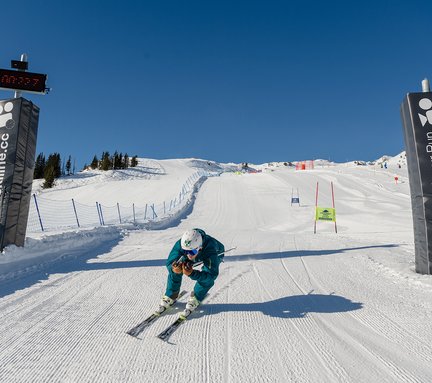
x=187, y=268
x=177, y=267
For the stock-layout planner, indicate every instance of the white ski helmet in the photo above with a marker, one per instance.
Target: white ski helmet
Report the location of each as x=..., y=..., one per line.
x=191, y=240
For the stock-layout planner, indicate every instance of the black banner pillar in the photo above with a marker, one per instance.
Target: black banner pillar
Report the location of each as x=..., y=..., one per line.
x=18, y=131
x=416, y=111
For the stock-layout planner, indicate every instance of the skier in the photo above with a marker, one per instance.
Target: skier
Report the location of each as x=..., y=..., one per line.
x=194, y=246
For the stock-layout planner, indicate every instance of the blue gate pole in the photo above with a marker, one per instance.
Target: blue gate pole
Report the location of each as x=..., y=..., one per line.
x=76, y=215
x=118, y=208
x=38, y=212
x=145, y=213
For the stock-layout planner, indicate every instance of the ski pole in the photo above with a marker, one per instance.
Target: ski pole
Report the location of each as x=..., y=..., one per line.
x=223, y=252
x=183, y=258
x=226, y=251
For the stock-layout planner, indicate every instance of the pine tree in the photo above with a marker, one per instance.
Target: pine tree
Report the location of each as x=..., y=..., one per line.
x=51, y=170
x=94, y=164
x=39, y=166
x=54, y=162
x=120, y=161
x=134, y=161
x=100, y=162
x=105, y=163
x=115, y=160
x=125, y=161
x=49, y=175
x=68, y=166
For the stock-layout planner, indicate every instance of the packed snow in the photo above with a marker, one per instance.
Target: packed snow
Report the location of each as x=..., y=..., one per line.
x=288, y=306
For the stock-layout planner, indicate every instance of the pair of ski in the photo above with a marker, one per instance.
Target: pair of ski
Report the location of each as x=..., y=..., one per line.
x=164, y=335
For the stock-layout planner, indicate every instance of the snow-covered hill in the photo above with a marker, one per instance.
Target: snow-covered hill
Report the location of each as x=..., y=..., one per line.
x=150, y=180
x=288, y=306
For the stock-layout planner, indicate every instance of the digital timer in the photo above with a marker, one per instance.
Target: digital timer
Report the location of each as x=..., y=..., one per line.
x=25, y=81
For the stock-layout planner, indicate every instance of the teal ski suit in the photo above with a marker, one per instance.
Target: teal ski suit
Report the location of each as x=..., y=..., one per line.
x=211, y=257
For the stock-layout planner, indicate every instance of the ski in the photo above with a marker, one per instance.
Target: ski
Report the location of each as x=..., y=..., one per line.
x=165, y=334
x=139, y=328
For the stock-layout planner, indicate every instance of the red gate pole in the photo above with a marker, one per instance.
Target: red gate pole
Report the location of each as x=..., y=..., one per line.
x=334, y=205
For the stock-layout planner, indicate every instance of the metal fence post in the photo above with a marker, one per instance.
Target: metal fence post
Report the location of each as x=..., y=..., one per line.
x=118, y=208
x=145, y=213
x=38, y=212
x=133, y=209
x=100, y=208
x=76, y=215
x=99, y=214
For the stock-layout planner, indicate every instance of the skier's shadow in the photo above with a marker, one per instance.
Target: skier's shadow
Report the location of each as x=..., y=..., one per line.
x=297, y=306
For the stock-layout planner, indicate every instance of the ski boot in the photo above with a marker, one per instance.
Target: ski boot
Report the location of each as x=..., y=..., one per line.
x=191, y=306
x=165, y=303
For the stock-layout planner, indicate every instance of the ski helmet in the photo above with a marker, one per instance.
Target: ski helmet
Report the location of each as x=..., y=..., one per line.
x=191, y=240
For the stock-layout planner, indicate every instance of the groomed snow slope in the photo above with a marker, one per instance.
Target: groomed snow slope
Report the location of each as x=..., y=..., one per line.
x=288, y=306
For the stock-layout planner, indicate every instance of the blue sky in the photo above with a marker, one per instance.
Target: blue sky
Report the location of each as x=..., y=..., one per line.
x=230, y=81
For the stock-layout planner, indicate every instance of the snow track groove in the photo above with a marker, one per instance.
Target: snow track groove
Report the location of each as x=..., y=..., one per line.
x=374, y=325
x=228, y=337
x=280, y=365
x=317, y=341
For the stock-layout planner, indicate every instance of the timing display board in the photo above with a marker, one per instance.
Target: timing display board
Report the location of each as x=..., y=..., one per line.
x=24, y=81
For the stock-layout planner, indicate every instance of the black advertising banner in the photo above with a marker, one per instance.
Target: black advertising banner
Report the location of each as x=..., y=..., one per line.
x=416, y=113
x=18, y=131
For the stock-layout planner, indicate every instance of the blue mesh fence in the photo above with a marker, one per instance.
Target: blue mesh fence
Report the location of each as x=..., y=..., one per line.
x=50, y=215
